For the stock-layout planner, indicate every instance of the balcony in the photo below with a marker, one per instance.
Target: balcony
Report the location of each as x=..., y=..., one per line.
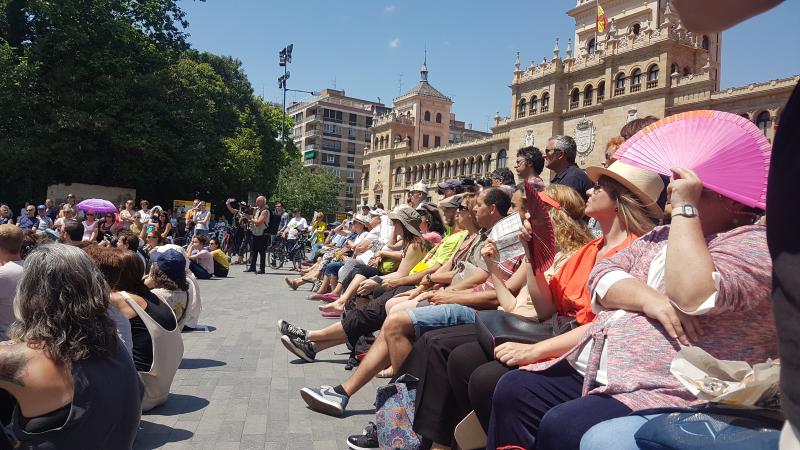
x=545, y=108
x=636, y=87
x=600, y=97
x=573, y=104
x=587, y=101
x=652, y=84
x=532, y=112
x=520, y=114
x=312, y=118
x=619, y=91
x=313, y=148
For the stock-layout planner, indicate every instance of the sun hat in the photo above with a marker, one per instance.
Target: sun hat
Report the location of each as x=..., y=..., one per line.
x=377, y=212
x=171, y=262
x=362, y=219
x=409, y=217
x=644, y=184
x=419, y=186
x=454, y=201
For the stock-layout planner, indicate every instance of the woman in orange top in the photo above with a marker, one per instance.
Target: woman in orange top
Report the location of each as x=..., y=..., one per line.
x=623, y=201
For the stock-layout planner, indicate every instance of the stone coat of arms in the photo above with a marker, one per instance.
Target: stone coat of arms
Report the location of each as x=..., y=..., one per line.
x=584, y=139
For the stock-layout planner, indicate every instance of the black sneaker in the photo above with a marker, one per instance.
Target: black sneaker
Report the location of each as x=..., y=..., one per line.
x=287, y=329
x=300, y=347
x=367, y=439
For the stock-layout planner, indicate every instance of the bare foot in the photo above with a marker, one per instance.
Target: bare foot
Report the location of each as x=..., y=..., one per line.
x=331, y=307
x=386, y=373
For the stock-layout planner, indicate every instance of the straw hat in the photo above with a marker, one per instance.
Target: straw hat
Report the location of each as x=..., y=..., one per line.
x=419, y=186
x=645, y=185
x=409, y=217
x=362, y=219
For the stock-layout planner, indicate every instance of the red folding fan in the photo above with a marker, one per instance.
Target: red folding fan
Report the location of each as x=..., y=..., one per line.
x=543, y=241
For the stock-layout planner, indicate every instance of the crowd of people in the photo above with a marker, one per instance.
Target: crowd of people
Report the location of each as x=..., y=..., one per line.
x=645, y=265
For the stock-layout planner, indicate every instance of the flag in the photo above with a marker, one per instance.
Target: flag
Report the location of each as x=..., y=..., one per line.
x=601, y=19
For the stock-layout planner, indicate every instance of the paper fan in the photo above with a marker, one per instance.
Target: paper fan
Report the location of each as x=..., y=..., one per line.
x=543, y=242
x=728, y=152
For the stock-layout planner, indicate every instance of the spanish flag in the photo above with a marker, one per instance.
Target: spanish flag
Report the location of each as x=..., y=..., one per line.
x=601, y=19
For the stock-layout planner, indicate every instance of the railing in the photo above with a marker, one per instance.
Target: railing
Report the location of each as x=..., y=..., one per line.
x=619, y=91
x=532, y=112
x=545, y=108
x=636, y=87
x=600, y=97
x=652, y=84
x=311, y=117
x=573, y=104
x=587, y=101
x=520, y=114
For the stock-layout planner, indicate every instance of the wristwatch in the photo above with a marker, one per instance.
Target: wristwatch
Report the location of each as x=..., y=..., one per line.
x=428, y=278
x=686, y=210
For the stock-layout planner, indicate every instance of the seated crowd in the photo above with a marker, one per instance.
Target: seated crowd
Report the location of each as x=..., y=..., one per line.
x=83, y=302
x=630, y=285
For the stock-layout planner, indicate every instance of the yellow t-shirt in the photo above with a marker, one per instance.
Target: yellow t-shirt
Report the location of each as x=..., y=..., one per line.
x=221, y=259
x=319, y=226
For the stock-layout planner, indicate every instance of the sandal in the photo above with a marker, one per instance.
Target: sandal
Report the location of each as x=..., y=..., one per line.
x=386, y=373
x=291, y=283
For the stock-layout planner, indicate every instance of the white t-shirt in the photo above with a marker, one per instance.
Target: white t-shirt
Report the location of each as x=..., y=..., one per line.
x=200, y=220
x=10, y=274
x=145, y=215
x=88, y=229
x=295, y=226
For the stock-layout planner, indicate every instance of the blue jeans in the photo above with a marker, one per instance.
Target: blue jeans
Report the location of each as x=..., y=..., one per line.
x=614, y=433
x=433, y=317
x=314, y=250
x=200, y=232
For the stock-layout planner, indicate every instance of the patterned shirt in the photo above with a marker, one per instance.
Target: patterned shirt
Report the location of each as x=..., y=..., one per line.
x=740, y=326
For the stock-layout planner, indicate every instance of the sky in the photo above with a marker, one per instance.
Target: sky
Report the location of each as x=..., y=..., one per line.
x=373, y=49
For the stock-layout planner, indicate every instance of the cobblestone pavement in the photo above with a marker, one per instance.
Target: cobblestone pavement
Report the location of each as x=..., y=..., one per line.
x=238, y=387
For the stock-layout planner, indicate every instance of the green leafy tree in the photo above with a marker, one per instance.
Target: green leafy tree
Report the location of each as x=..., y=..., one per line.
x=309, y=191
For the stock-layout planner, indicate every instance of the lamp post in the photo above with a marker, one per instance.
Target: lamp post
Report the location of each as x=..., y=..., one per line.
x=285, y=59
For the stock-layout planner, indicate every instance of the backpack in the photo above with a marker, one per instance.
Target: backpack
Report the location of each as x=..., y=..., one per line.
x=394, y=414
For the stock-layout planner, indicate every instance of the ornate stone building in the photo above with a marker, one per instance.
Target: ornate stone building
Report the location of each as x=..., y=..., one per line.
x=646, y=63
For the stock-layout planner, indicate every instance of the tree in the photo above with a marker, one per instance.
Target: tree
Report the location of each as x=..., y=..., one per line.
x=309, y=191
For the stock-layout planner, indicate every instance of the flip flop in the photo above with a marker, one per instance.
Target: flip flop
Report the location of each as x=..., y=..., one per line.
x=329, y=297
x=316, y=297
x=331, y=314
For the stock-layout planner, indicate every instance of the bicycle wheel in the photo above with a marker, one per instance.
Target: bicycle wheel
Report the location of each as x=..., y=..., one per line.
x=277, y=255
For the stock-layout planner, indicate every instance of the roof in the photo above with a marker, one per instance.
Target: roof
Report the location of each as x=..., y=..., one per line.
x=424, y=89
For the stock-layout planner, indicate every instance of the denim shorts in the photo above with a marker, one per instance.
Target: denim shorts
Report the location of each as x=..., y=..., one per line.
x=433, y=317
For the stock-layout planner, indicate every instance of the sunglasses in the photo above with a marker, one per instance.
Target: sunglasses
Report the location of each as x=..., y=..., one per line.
x=151, y=237
x=89, y=215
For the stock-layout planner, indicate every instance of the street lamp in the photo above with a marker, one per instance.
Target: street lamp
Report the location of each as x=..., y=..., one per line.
x=285, y=56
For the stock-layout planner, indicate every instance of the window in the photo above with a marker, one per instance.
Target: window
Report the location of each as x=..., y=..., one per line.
x=652, y=76
x=365, y=179
x=619, y=87
x=369, y=121
x=349, y=189
x=441, y=170
x=330, y=129
x=332, y=145
x=501, y=159
x=351, y=148
x=437, y=141
x=331, y=115
x=367, y=136
x=521, y=108
x=455, y=168
x=471, y=166
x=479, y=164
x=377, y=198
x=428, y=172
x=574, y=98
x=545, y=102
x=398, y=176
x=636, y=28
x=533, y=105
x=588, y=93
x=396, y=202
x=298, y=117
x=425, y=140
x=488, y=163
x=764, y=121
x=601, y=91
x=636, y=80
x=351, y=133
x=705, y=43
x=463, y=167
x=438, y=117
x=686, y=71
x=353, y=119
x=447, y=170
x=351, y=174
x=427, y=116
x=591, y=47
x=673, y=69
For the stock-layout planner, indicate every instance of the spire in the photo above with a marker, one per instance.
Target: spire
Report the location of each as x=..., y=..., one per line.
x=556, y=50
x=569, y=48
x=516, y=62
x=423, y=72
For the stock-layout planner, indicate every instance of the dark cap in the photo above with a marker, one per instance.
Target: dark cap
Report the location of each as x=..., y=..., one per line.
x=171, y=262
x=453, y=201
x=449, y=184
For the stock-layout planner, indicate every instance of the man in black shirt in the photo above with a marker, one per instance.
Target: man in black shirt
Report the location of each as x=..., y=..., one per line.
x=559, y=157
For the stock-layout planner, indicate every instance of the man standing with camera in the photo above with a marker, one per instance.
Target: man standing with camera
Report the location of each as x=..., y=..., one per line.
x=258, y=227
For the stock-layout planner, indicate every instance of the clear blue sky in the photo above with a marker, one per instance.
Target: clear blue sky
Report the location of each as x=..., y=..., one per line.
x=368, y=46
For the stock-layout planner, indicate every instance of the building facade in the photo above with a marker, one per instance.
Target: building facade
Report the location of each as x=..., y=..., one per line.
x=646, y=63
x=331, y=131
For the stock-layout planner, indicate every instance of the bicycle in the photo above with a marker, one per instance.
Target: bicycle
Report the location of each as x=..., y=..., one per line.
x=279, y=254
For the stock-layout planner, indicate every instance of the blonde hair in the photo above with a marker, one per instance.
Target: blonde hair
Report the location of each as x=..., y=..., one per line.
x=630, y=209
x=611, y=148
x=570, y=229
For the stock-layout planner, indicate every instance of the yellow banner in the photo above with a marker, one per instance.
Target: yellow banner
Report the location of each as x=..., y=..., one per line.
x=601, y=19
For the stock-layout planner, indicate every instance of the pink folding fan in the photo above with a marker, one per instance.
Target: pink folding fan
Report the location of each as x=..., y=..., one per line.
x=728, y=152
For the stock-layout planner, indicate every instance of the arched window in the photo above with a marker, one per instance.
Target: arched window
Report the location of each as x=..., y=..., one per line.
x=428, y=172
x=447, y=170
x=479, y=165
x=619, y=86
x=488, y=164
x=686, y=71
x=673, y=69
x=414, y=174
x=636, y=80
x=588, y=93
x=501, y=159
x=438, y=117
x=636, y=28
x=534, y=104
x=427, y=116
x=652, y=76
x=764, y=121
x=455, y=168
x=601, y=91
x=574, y=98
x=521, y=108
x=408, y=175
x=463, y=167
x=591, y=47
x=545, y=102
x=705, y=43
x=398, y=176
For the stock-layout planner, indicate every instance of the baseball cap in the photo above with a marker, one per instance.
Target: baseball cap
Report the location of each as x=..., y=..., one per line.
x=454, y=201
x=449, y=184
x=171, y=262
x=41, y=207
